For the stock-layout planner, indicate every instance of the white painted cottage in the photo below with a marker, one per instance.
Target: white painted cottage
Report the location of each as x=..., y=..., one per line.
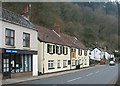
x=96, y=54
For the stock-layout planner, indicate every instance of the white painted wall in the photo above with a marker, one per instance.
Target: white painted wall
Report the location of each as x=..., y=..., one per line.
x=19, y=36
x=57, y=57
x=35, y=65
x=107, y=55
x=1, y=34
x=96, y=54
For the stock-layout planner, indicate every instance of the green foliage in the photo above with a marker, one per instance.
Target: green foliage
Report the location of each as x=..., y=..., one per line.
x=92, y=22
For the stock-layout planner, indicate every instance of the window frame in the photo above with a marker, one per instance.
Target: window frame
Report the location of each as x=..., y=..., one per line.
x=26, y=39
x=58, y=64
x=10, y=37
x=50, y=61
x=65, y=63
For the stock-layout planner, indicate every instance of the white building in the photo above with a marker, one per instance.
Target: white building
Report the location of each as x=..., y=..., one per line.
x=18, y=46
x=55, y=48
x=109, y=54
x=96, y=54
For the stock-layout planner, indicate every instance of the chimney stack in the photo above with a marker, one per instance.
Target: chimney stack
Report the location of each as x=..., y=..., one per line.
x=56, y=27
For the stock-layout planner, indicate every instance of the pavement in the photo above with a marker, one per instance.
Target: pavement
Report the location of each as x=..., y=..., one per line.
x=45, y=76
x=99, y=75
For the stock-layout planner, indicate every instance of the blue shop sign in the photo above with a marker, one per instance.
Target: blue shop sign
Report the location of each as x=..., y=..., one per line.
x=11, y=51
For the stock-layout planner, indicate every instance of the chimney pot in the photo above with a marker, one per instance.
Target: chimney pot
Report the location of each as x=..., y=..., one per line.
x=56, y=27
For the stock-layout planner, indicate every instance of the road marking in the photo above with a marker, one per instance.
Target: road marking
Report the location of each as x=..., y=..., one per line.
x=74, y=79
x=89, y=74
x=97, y=72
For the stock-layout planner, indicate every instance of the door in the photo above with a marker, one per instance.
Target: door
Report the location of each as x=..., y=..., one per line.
x=6, y=66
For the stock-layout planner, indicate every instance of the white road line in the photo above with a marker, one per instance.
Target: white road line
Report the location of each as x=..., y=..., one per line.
x=74, y=79
x=97, y=72
x=89, y=74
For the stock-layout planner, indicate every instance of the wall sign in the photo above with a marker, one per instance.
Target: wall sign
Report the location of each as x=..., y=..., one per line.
x=11, y=51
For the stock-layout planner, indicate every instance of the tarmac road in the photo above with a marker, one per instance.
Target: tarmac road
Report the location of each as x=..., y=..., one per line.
x=99, y=75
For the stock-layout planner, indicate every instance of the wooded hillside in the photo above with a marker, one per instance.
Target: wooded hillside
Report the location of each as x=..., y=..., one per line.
x=95, y=24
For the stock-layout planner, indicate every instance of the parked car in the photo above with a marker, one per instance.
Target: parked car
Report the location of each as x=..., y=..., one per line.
x=112, y=63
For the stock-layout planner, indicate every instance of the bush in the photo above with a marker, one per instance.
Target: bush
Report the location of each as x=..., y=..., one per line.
x=77, y=66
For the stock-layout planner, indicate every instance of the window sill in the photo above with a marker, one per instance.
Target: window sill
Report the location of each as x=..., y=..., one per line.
x=10, y=46
x=64, y=66
x=58, y=53
x=58, y=67
x=50, y=68
x=51, y=53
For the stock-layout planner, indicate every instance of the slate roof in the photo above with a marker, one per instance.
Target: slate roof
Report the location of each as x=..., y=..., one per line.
x=108, y=51
x=15, y=18
x=50, y=36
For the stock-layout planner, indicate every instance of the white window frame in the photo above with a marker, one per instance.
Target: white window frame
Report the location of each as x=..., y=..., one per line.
x=51, y=62
x=58, y=64
x=64, y=63
x=73, y=62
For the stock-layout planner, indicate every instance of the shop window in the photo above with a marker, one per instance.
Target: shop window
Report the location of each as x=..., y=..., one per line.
x=26, y=63
x=17, y=64
x=26, y=39
x=22, y=64
x=30, y=63
x=64, y=63
x=12, y=63
x=50, y=64
x=9, y=37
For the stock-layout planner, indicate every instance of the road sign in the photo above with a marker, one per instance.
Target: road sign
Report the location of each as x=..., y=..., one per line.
x=72, y=54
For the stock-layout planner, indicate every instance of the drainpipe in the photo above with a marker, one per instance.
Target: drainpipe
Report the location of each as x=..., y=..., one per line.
x=43, y=53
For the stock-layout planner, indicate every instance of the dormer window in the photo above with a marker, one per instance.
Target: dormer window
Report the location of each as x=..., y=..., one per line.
x=80, y=52
x=57, y=49
x=50, y=48
x=65, y=50
x=85, y=52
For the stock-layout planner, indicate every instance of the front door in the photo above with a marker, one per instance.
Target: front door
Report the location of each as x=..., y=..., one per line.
x=6, y=66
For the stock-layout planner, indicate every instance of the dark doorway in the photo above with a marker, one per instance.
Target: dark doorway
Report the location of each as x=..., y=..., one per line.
x=6, y=66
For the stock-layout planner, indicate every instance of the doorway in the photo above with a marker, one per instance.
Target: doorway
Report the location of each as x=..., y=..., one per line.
x=6, y=66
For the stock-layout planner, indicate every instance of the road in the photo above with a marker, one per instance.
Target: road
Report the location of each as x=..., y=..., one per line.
x=99, y=75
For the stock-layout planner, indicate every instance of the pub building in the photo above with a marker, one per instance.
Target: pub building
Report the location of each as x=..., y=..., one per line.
x=18, y=48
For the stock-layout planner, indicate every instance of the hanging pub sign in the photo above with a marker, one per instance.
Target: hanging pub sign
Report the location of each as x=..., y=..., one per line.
x=72, y=54
x=11, y=51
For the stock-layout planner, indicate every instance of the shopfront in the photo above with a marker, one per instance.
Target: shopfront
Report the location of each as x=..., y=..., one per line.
x=17, y=63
